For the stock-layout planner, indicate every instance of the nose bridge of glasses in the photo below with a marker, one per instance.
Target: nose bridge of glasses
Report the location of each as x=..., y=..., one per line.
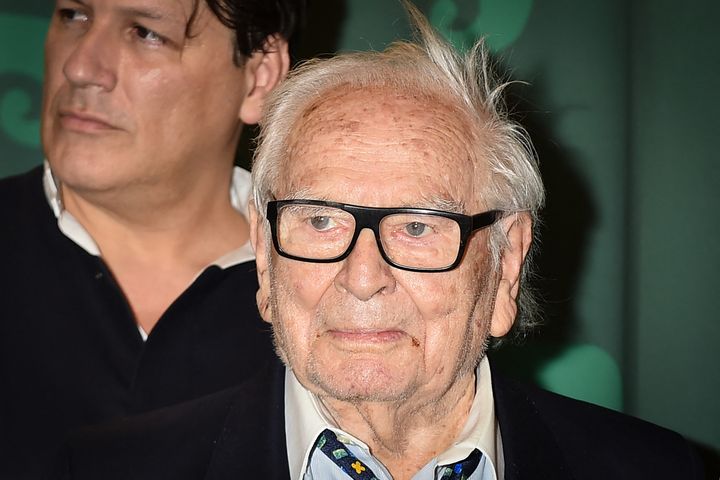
x=368, y=219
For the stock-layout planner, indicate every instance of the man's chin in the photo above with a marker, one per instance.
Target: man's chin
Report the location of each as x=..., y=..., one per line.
x=361, y=383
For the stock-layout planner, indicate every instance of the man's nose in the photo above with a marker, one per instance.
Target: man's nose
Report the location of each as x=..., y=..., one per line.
x=93, y=60
x=364, y=272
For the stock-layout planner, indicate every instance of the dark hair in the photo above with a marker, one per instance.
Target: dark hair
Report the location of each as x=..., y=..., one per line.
x=254, y=20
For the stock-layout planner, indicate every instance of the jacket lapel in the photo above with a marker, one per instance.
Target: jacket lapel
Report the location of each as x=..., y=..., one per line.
x=253, y=444
x=529, y=447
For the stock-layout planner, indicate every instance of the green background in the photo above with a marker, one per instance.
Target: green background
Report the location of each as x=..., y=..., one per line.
x=623, y=106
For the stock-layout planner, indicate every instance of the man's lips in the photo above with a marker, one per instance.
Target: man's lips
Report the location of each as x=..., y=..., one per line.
x=84, y=122
x=367, y=336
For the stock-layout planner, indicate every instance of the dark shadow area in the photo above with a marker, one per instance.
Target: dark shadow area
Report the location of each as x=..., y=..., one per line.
x=566, y=222
x=321, y=29
x=246, y=147
x=710, y=458
x=318, y=36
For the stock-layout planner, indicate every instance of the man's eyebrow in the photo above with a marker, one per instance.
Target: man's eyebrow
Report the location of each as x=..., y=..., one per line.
x=141, y=12
x=437, y=202
x=151, y=13
x=304, y=194
x=79, y=2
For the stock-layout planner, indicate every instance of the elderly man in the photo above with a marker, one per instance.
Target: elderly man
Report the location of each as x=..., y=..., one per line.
x=394, y=211
x=127, y=275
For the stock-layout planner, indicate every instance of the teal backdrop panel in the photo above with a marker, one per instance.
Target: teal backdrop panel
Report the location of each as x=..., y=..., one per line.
x=22, y=35
x=673, y=228
x=622, y=106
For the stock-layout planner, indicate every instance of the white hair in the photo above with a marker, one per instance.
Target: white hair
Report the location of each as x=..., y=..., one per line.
x=432, y=68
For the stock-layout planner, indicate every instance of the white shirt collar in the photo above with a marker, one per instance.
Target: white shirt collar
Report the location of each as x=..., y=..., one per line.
x=240, y=190
x=68, y=225
x=305, y=418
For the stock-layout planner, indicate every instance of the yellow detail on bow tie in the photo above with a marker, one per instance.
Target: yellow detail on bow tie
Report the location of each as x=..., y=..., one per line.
x=358, y=467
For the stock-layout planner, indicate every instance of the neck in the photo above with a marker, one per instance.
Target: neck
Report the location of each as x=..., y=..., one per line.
x=156, y=240
x=165, y=218
x=406, y=435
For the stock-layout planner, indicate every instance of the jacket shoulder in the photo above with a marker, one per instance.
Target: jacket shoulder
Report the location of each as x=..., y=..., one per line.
x=19, y=186
x=597, y=442
x=24, y=210
x=235, y=433
x=173, y=442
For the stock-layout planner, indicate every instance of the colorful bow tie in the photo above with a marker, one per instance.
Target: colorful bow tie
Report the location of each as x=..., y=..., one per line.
x=338, y=452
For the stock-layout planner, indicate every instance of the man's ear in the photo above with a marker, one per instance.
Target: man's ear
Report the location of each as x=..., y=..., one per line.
x=263, y=71
x=257, y=240
x=518, y=229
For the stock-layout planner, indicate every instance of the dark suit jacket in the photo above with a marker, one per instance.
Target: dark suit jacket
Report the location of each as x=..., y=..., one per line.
x=240, y=433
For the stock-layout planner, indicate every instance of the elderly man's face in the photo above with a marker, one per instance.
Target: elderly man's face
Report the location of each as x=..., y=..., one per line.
x=360, y=329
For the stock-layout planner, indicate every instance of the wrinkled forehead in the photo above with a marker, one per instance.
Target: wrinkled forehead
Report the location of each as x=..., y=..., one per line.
x=356, y=139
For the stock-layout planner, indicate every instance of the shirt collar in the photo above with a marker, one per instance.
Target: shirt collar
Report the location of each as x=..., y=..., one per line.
x=305, y=418
x=67, y=224
x=240, y=189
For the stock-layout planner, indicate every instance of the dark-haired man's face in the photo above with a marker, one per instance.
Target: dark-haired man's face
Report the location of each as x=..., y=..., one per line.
x=131, y=100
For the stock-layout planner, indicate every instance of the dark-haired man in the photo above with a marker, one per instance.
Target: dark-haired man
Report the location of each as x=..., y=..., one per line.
x=127, y=277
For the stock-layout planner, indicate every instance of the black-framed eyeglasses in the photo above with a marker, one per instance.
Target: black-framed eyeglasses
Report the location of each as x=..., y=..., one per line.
x=415, y=239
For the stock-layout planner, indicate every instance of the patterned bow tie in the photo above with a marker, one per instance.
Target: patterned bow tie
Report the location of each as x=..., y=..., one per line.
x=336, y=451
x=462, y=470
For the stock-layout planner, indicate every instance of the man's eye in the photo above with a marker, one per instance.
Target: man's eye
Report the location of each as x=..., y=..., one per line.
x=148, y=35
x=320, y=223
x=416, y=229
x=68, y=15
